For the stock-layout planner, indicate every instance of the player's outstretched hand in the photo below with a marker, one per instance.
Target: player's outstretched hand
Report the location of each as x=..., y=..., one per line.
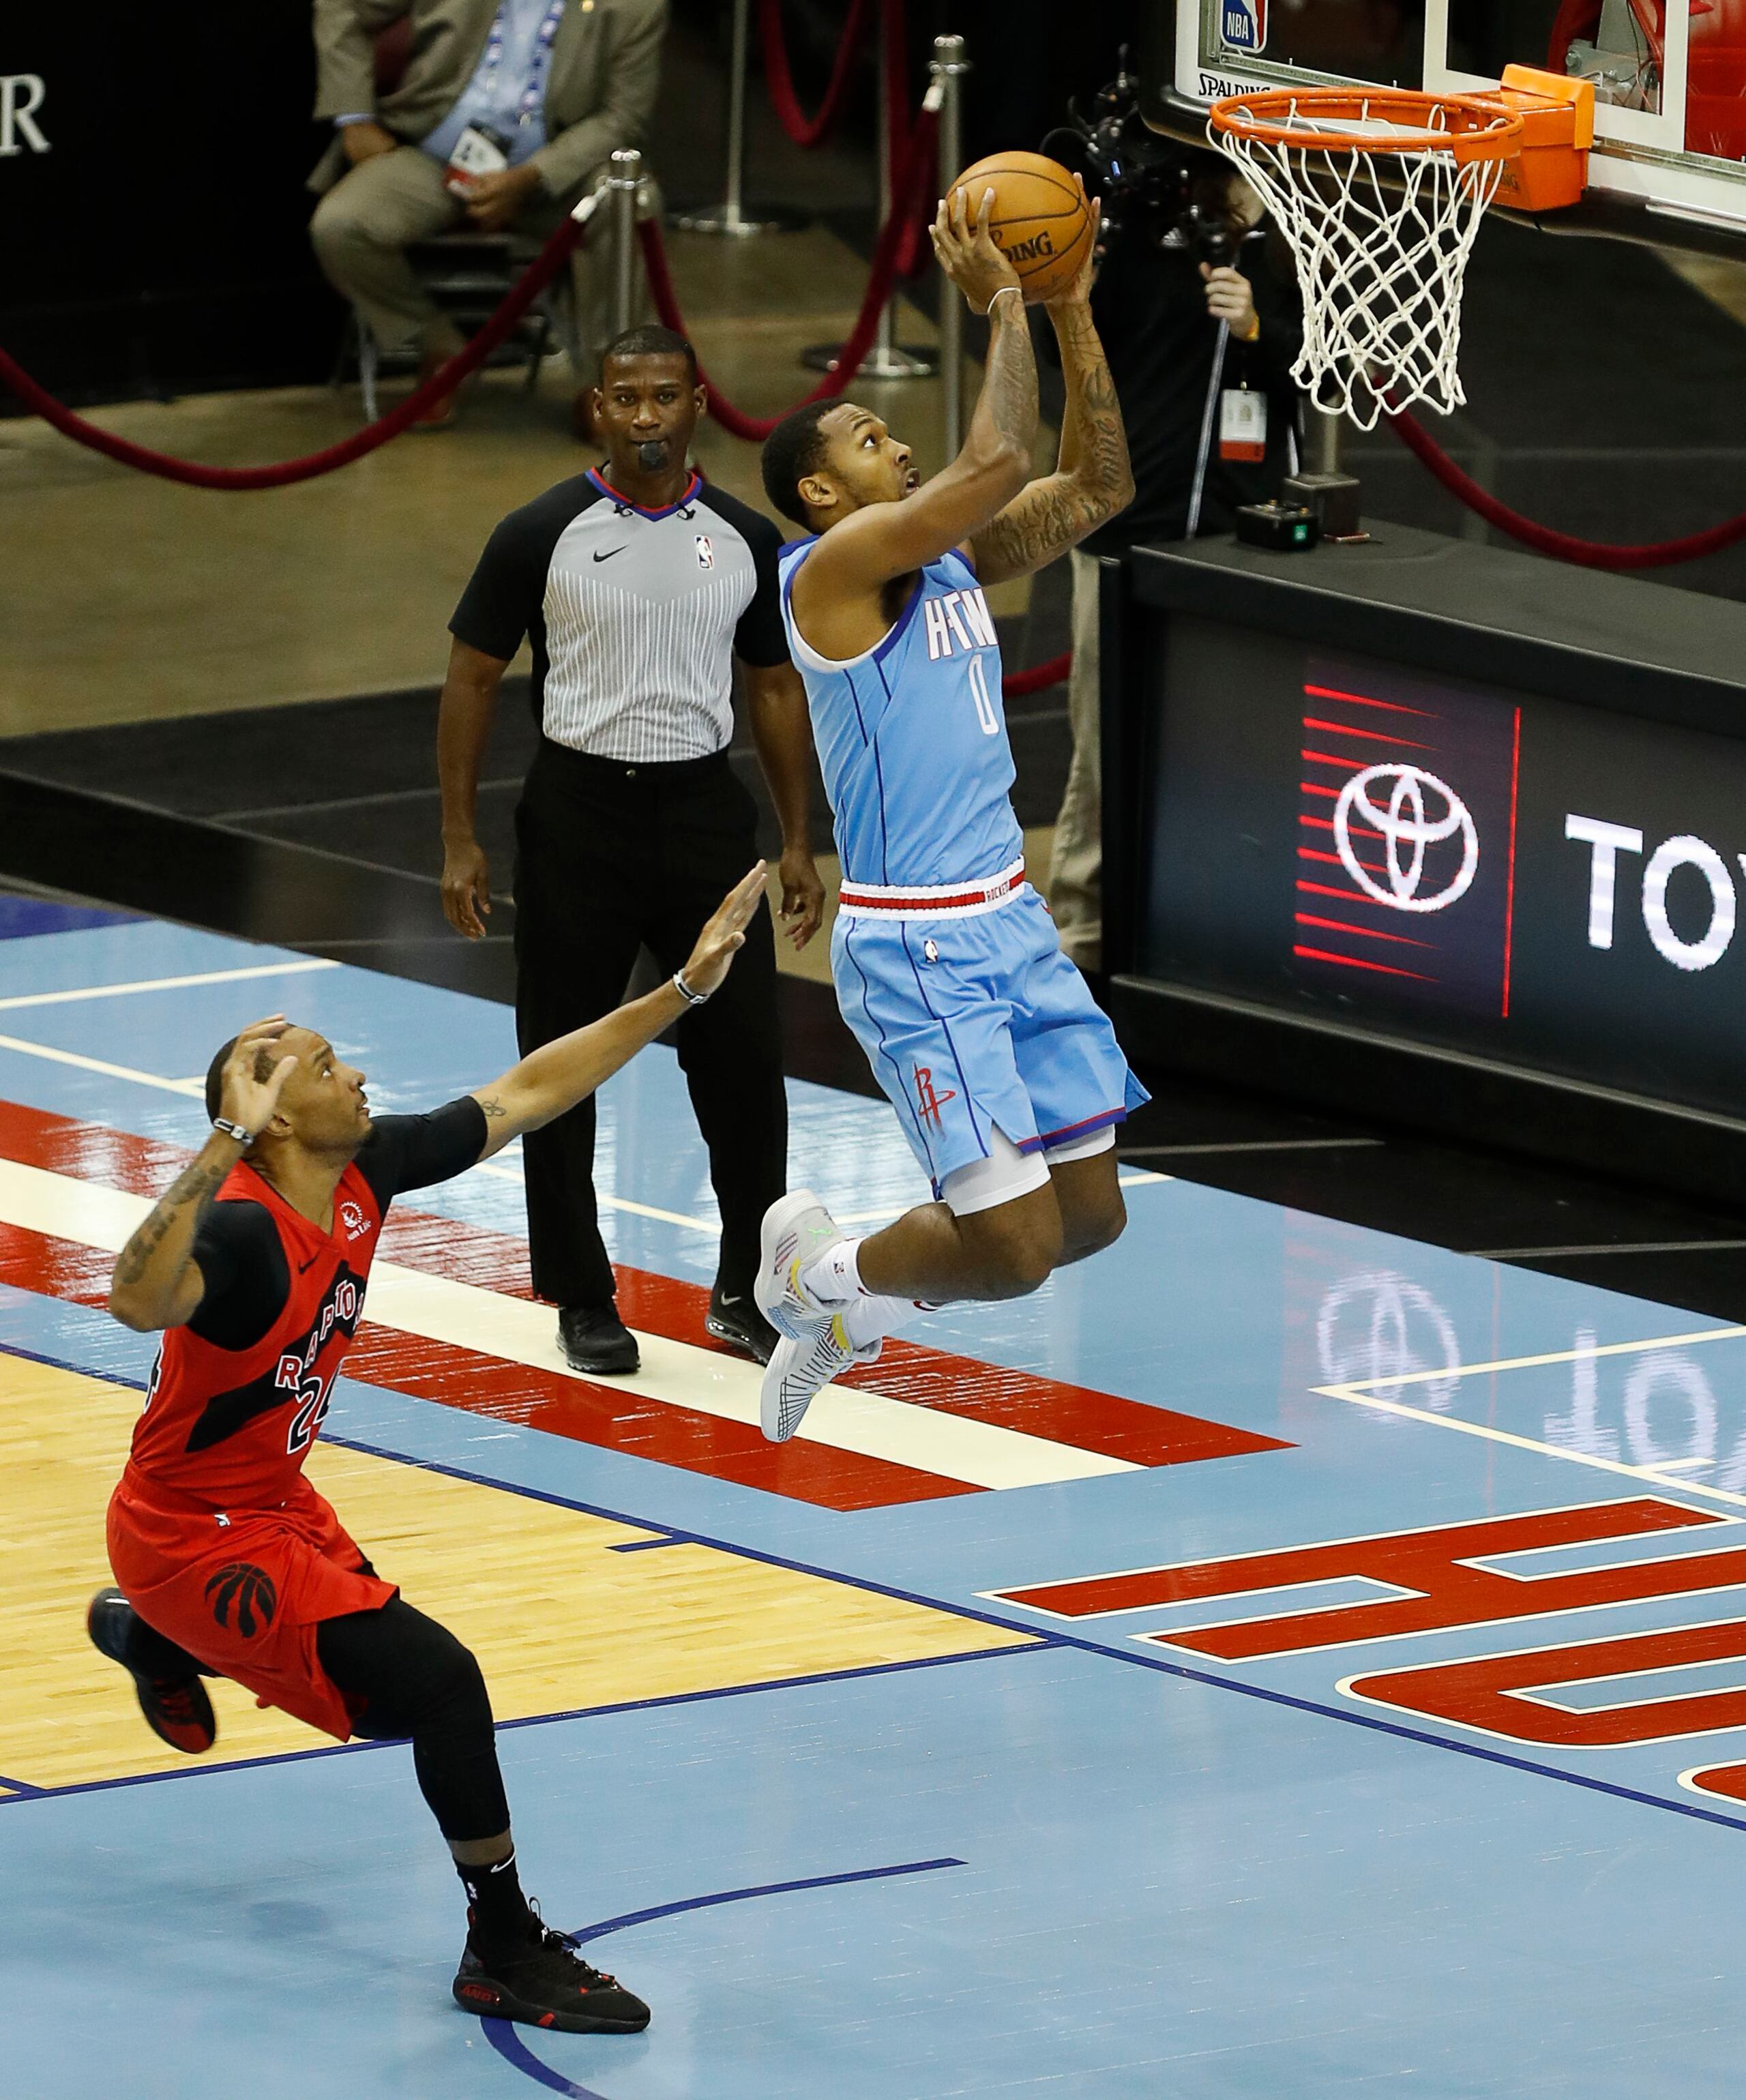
x=967, y=252
x=725, y=934
x=1078, y=293
x=254, y=1076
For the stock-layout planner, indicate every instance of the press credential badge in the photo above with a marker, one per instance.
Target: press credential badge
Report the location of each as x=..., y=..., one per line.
x=1242, y=424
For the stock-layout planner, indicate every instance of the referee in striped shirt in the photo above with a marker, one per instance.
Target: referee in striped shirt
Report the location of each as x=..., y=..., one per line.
x=639, y=585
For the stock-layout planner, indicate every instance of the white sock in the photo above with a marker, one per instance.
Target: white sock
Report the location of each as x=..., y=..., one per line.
x=870, y=1319
x=834, y=1279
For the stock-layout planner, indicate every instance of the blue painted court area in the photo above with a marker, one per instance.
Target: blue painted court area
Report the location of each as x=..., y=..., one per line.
x=1171, y=1846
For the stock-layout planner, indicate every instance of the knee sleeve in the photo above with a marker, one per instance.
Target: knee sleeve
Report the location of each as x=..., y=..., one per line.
x=410, y=1677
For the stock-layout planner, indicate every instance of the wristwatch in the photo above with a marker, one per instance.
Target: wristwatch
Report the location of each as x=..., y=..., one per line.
x=233, y=1130
x=685, y=991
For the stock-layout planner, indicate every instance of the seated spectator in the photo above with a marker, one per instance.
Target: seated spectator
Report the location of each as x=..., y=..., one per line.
x=505, y=114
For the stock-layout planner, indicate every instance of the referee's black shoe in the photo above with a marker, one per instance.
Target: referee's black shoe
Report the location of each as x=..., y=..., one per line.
x=176, y=1709
x=547, y=1985
x=738, y=1322
x=595, y=1341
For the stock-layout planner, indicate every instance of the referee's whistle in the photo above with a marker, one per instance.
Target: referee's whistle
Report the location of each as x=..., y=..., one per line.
x=651, y=455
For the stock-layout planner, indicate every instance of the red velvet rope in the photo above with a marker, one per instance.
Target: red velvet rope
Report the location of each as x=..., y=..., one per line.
x=1040, y=677
x=806, y=131
x=1562, y=546
x=916, y=174
x=539, y=273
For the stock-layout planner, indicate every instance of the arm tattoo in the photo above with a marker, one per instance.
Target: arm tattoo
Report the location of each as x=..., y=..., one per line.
x=492, y=1106
x=1009, y=385
x=198, y=1185
x=1093, y=480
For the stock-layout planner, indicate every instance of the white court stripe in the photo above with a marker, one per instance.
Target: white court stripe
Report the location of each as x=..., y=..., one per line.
x=1533, y=1363
x=613, y=1202
x=195, y=1087
x=982, y=1455
x=1656, y=1477
x=299, y=968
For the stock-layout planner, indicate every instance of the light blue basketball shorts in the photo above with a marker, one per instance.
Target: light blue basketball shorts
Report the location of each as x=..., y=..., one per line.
x=979, y=1024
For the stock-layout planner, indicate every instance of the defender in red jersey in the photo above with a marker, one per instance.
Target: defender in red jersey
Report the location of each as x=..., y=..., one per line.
x=229, y=1564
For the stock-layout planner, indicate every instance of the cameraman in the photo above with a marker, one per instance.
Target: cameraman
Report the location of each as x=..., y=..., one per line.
x=1196, y=302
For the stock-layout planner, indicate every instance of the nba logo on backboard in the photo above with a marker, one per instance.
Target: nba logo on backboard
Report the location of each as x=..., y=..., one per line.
x=1243, y=24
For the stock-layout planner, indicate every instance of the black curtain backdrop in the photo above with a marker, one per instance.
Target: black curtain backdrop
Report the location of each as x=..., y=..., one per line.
x=161, y=245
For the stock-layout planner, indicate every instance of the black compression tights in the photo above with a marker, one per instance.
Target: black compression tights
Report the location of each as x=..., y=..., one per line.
x=414, y=1679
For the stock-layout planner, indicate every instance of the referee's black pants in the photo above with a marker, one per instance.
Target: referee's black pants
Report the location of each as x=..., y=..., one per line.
x=610, y=857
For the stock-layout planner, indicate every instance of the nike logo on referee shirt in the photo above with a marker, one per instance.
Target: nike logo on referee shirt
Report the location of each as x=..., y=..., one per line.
x=609, y=554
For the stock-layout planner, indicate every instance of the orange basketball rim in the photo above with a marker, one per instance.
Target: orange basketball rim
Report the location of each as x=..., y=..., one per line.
x=1379, y=192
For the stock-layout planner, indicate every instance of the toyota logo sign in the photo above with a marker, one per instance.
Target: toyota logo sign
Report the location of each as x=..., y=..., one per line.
x=1420, y=811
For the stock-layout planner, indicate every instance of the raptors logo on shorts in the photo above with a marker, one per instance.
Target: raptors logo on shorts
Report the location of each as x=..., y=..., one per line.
x=249, y=1589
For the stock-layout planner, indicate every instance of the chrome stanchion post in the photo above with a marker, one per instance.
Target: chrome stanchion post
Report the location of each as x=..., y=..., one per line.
x=948, y=68
x=887, y=359
x=730, y=216
x=624, y=183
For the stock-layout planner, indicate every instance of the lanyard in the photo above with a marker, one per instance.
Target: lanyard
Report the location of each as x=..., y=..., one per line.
x=533, y=96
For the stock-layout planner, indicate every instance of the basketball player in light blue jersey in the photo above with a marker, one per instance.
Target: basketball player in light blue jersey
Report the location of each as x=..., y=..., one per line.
x=1004, y=1072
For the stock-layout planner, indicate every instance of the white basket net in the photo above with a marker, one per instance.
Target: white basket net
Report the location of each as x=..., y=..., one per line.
x=1381, y=239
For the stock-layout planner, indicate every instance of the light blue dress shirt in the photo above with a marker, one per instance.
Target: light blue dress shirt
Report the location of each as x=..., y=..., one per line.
x=494, y=95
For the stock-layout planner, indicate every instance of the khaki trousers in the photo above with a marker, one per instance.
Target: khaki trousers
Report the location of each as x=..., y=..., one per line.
x=1076, y=873
x=362, y=226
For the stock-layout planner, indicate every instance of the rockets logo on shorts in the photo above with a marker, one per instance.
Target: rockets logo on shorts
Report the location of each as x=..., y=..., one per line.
x=927, y=1103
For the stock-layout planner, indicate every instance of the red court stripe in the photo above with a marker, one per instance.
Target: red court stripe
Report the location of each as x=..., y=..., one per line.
x=1107, y=1423
x=1101, y=1421
x=585, y=1413
x=614, y=1420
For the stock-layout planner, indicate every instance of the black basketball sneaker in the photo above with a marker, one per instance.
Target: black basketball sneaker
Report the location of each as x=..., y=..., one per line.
x=548, y=1985
x=176, y=1709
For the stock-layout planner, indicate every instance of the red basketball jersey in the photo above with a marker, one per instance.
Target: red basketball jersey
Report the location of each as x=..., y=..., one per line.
x=232, y=1427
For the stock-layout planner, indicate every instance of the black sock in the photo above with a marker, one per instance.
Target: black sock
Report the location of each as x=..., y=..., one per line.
x=500, y=1917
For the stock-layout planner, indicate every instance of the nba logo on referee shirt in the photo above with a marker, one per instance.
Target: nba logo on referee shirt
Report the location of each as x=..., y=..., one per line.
x=1243, y=25
x=706, y=554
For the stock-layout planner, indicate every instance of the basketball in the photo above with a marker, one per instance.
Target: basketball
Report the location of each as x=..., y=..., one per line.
x=1039, y=221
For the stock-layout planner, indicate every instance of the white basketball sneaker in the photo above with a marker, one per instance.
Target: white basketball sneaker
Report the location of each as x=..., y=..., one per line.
x=797, y=1228
x=800, y=1368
